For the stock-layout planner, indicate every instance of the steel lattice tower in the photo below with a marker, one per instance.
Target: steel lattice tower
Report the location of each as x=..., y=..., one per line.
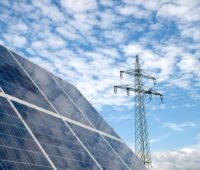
x=142, y=148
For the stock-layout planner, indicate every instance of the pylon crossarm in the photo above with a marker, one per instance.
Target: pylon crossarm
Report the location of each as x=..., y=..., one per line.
x=151, y=92
x=139, y=73
x=128, y=88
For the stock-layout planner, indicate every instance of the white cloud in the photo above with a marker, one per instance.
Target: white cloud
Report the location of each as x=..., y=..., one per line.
x=134, y=11
x=132, y=50
x=185, y=14
x=184, y=159
x=113, y=52
x=159, y=138
x=119, y=118
x=194, y=33
x=76, y=6
x=21, y=27
x=55, y=42
x=189, y=64
x=36, y=45
x=48, y=10
x=15, y=40
x=182, y=10
x=115, y=36
x=106, y=2
x=108, y=19
x=87, y=21
x=182, y=82
x=180, y=127
x=68, y=32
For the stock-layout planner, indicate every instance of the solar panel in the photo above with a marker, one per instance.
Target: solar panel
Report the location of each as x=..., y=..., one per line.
x=46, y=123
x=17, y=148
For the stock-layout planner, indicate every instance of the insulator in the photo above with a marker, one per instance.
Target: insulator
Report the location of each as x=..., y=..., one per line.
x=150, y=96
x=121, y=74
x=115, y=89
x=154, y=81
x=128, y=92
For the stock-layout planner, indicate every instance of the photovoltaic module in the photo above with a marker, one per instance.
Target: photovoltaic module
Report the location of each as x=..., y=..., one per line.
x=46, y=123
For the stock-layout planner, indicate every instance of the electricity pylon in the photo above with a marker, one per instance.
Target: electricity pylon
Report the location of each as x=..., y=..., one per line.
x=142, y=148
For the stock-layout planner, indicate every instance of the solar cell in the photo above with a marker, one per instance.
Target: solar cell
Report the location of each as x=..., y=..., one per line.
x=55, y=137
x=15, y=82
x=17, y=148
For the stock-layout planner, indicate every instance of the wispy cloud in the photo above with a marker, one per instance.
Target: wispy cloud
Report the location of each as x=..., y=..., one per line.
x=91, y=41
x=184, y=159
x=120, y=118
x=180, y=127
x=159, y=138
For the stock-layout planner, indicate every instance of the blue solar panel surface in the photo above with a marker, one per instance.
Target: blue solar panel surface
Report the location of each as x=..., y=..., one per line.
x=17, y=148
x=57, y=140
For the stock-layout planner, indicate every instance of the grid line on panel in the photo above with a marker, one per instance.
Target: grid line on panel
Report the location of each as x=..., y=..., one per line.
x=55, y=111
x=30, y=132
x=18, y=150
x=57, y=115
x=89, y=121
x=28, y=164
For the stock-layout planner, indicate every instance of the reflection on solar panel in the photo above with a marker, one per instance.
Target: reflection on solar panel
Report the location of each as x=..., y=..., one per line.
x=46, y=123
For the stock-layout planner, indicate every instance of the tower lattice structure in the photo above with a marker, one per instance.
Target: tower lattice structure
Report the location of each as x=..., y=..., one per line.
x=142, y=147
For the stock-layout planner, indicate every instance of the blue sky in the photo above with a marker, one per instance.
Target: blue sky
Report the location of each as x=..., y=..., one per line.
x=87, y=42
